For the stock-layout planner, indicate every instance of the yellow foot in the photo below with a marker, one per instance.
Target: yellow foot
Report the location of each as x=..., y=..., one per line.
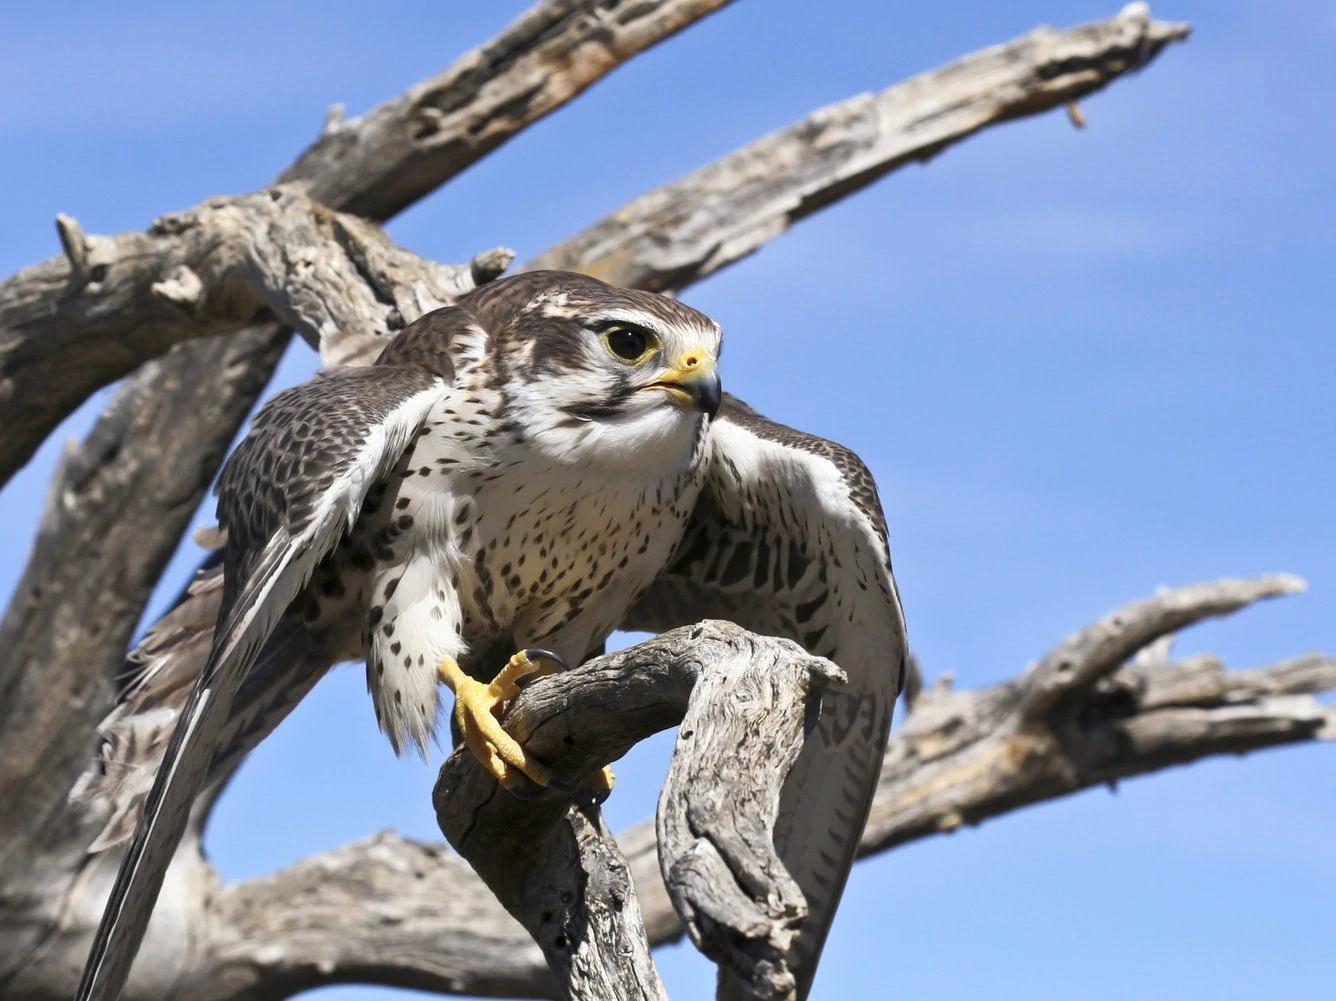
x=476, y=709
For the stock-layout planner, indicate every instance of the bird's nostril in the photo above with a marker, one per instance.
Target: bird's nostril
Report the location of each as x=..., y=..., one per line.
x=692, y=361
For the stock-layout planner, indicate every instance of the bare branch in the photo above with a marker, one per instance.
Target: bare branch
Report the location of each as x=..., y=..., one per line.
x=716, y=817
x=1085, y=657
x=680, y=233
x=340, y=917
x=224, y=264
x=92, y=568
x=962, y=757
x=379, y=164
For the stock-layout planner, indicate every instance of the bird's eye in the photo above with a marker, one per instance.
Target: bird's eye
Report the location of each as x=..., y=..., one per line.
x=629, y=343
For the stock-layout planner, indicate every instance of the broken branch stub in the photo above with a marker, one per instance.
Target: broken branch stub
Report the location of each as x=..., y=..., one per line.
x=748, y=702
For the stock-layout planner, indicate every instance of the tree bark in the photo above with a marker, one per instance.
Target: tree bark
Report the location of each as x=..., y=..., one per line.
x=555, y=866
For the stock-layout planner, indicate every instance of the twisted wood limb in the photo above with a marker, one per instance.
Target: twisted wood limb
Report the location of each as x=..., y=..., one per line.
x=747, y=703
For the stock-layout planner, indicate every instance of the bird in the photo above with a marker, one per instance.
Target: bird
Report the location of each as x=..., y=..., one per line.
x=518, y=474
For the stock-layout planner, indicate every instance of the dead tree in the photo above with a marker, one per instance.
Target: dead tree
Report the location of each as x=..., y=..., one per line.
x=192, y=314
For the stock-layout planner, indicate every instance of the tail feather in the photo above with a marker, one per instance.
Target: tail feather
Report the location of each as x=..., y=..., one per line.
x=160, y=674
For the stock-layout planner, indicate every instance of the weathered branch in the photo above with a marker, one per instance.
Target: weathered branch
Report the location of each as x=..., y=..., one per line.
x=1084, y=658
x=555, y=866
x=963, y=757
x=680, y=233
x=223, y=265
x=382, y=162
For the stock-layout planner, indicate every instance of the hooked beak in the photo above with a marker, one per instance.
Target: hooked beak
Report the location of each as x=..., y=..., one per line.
x=693, y=381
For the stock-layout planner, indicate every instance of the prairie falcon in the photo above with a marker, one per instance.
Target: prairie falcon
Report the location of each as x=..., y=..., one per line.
x=547, y=460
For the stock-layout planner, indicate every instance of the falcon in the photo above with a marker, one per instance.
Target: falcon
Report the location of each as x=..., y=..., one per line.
x=518, y=474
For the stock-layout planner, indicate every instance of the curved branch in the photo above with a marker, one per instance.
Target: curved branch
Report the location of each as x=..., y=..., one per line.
x=680, y=233
x=225, y=264
x=1085, y=657
x=556, y=867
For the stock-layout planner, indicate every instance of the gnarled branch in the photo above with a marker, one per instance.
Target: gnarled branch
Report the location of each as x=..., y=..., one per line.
x=225, y=264
x=380, y=163
x=555, y=866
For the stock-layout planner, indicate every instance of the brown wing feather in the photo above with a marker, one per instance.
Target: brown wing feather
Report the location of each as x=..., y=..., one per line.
x=789, y=539
x=287, y=496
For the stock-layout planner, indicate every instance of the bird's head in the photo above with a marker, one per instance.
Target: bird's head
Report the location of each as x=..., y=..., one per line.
x=599, y=374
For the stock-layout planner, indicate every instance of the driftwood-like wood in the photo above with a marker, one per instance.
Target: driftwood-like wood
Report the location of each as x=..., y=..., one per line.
x=227, y=263
x=747, y=701
x=400, y=912
x=680, y=233
x=378, y=164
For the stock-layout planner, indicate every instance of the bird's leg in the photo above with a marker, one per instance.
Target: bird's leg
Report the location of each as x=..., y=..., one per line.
x=476, y=709
x=531, y=663
x=534, y=663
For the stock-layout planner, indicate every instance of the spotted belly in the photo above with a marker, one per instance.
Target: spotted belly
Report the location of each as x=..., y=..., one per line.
x=468, y=562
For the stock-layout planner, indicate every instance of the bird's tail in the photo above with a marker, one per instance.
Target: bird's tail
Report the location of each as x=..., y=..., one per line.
x=160, y=673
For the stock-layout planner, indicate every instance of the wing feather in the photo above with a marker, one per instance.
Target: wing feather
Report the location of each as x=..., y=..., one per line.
x=287, y=496
x=788, y=539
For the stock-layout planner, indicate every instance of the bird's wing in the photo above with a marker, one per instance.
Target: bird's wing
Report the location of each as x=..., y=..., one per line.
x=788, y=539
x=287, y=496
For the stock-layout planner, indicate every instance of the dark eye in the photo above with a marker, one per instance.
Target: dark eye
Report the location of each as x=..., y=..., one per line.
x=628, y=343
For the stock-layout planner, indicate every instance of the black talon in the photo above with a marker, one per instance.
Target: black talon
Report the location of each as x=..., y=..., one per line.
x=528, y=790
x=537, y=653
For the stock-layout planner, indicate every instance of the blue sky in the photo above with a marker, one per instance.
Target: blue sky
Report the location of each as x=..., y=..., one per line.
x=1081, y=365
